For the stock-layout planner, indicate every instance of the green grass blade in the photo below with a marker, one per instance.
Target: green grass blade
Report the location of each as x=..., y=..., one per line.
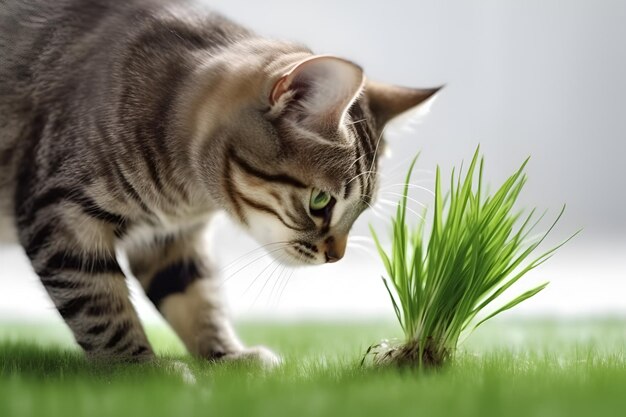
x=525, y=296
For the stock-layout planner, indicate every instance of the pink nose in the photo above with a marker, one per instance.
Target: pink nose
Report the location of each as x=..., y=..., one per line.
x=335, y=248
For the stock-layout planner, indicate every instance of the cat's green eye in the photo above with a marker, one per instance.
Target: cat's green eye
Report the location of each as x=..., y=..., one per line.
x=319, y=199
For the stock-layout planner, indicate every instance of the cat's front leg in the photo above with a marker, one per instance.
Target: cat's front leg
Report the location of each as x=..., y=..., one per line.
x=71, y=247
x=177, y=278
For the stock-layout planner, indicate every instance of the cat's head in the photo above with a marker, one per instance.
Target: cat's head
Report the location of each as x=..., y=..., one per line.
x=308, y=166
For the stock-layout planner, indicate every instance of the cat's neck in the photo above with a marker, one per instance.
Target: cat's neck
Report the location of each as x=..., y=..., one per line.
x=222, y=84
x=240, y=76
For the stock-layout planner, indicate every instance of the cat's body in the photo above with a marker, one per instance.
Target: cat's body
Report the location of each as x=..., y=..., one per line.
x=126, y=125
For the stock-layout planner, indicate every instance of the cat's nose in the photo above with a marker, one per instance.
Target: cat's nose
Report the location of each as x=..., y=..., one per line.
x=335, y=247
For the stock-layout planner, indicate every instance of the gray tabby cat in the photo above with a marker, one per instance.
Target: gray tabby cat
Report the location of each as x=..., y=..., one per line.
x=125, y=125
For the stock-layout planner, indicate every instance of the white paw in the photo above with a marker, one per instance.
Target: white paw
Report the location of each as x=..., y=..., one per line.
x=181, y=370
x=257, y=356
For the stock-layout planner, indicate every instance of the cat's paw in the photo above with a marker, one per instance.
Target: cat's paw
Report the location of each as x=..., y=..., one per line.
x=177, y=369
x=255, y=356
x=182, y=371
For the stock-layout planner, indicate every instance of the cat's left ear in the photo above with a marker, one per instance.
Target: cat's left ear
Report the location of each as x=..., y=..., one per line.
x=387, y=101
x=319, y=89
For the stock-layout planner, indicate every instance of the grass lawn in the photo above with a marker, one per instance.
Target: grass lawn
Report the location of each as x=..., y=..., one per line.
x=534, y=367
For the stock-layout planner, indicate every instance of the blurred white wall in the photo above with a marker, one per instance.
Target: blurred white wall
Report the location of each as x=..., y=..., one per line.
x=524, y=77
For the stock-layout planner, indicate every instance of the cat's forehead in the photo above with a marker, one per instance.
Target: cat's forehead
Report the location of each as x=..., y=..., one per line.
x=322, y=164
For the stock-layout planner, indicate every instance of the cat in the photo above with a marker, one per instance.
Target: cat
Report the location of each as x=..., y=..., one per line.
x=124, y=126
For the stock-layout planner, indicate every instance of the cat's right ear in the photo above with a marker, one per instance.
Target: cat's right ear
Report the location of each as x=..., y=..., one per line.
x=319, y=90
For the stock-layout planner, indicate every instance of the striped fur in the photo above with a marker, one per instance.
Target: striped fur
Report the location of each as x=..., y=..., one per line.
x=126, y=125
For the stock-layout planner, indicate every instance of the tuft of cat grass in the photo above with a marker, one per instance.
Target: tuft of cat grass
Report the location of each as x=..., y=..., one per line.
x=478, y=247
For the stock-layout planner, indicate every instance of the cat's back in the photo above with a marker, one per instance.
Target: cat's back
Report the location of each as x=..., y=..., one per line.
x=46, y=43
x=46, y=51
x=54, y=52
x=62, y=61
x=57, y=66
x=38, y=46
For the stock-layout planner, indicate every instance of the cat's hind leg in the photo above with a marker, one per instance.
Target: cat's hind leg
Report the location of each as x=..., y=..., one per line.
x=178, y=279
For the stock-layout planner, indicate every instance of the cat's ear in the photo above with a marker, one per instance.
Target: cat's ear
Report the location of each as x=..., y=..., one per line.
x=320, y=90
x=389, y=101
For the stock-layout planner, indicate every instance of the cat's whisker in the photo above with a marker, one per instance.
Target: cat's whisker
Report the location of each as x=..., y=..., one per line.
x=267, y=281
x=274, y=261
x=418, y=215
x=360, y=239
x=357, y=122
x=375, y=158
x=375, y=212
x=279, y=263
x=413, y=182
x=381, y=207
x=384, y=219
x=359, y=175
x=365, y=249
x=375, y=204
x=415, y=186
x=269, y=301
x=291, y=273
x=283, y=285
x=250, y=253
x=273, y=293
x=409, y=198
x=389, y=203
x=354, y=162
x=264, y=248
x=250, y=263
